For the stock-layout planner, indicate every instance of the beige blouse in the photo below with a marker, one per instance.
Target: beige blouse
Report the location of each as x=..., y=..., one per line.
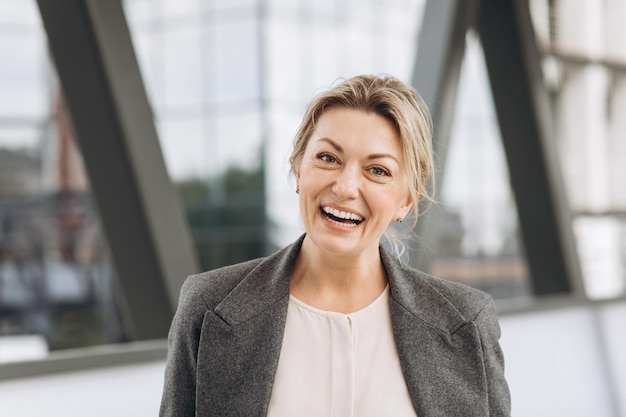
x=339, y=365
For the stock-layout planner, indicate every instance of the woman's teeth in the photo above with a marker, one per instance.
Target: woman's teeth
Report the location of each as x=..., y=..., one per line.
x=342, y=217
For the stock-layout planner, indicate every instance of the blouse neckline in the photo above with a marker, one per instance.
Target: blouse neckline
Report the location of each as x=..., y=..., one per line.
x=371, y=306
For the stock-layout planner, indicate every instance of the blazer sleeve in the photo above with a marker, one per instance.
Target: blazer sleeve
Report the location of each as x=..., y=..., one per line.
x=498, y=390
x=179, y=391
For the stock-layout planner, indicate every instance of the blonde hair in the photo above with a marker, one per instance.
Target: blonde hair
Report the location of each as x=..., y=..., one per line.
x=397, y=102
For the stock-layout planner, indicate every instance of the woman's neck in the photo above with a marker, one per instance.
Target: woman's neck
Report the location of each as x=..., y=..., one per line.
x=342, y=284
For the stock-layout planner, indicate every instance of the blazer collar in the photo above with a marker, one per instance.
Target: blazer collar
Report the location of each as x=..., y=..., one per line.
x=268, y=283
x=411, y=289
x=439, y=349
x=263, y=287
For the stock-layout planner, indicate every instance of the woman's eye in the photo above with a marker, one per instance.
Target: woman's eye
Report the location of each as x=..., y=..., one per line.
x=379, y=172
x=327, y=158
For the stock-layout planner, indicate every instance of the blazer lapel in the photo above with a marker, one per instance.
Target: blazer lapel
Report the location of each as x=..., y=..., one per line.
x=242, y=338
x=439, y=349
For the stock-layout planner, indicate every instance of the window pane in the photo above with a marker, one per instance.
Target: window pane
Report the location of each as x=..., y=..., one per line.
x=55, y=273
x=601, y=245
x=56, y=279
x=584, y=47
x=23, y=75
x=237, y=60
x=226, y=216
x=143, y=12
x=235, y=4
x=20, y=134
x=185, y=147
x=479, y=240
x=182, y=60
x=19, y=14
x=238, y=143
x=284, y=47
x=239, y=129
x=181, y=8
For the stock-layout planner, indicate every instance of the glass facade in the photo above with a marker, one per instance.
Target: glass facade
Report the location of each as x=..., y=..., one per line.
x=228, y=81
x=56, y=288
x=252, y=67
x=479, y=239
x=201, y=65
x=583, y=44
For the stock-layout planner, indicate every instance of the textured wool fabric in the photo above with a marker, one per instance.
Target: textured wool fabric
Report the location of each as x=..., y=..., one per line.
x=226, y=337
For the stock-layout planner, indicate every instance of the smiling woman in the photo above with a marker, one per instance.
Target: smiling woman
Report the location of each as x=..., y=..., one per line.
x=334, y=325
x=351, y=170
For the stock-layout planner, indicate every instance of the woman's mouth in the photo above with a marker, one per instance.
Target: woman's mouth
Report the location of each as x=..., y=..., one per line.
x=341, y=218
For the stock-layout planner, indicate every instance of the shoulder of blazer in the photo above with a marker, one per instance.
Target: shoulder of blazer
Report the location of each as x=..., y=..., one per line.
x=235, y=292
x=209, y=288
x=442, y=304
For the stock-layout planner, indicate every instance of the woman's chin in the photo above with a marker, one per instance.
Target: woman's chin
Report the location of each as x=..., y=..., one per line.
x=339, y=242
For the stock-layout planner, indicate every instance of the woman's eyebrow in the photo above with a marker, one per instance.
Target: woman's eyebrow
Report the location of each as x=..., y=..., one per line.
x=332, y=143
x=383, y=155
x=338, y=148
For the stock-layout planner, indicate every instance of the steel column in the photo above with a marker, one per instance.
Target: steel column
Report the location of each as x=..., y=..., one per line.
x=525, y=119
x=150, y=244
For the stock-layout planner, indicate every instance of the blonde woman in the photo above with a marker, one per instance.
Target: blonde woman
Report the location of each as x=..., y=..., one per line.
x=334, y=324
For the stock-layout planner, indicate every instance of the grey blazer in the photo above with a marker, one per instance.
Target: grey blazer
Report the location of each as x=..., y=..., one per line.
x=226, y=337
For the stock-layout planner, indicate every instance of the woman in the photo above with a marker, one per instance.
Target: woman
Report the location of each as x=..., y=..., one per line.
x=334, y=324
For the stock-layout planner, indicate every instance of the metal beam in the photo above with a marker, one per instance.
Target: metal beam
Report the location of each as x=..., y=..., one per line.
x=149, y=241
x=71, y=360
x=524, y=115
x=440, y=51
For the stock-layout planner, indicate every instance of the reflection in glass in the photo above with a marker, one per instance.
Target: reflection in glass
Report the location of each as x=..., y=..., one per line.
x=237, y=66
x=55, y=274
x=56, y=286
x=229, y=89
x=183, y=70
x=23, y=80
x=479, y=241
x=226, y=215
x=584, y=55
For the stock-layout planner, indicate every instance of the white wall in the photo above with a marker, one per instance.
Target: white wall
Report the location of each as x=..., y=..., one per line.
x=133, y=391
x=567, y=362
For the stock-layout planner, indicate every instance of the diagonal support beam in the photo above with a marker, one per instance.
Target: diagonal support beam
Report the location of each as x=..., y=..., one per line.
x=149, y=241
x=524, y=116
x=441, y=47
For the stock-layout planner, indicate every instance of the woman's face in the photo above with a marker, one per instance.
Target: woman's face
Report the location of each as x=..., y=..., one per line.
x=351, y=180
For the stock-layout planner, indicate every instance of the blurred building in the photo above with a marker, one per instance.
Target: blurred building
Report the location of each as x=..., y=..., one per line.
x=55, y=276
x=229, y=81
x=584, y=58
x=20, y=173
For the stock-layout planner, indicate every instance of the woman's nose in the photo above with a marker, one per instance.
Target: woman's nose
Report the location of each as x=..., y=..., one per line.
x=346, y=184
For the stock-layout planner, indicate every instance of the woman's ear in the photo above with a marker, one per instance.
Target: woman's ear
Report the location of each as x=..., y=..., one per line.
x=405, y=208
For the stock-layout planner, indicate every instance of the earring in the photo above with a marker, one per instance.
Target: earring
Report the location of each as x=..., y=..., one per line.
x=399, y=220
x=297, y=191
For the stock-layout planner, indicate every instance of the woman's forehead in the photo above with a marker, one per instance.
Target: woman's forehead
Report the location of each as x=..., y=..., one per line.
x=342, y=128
